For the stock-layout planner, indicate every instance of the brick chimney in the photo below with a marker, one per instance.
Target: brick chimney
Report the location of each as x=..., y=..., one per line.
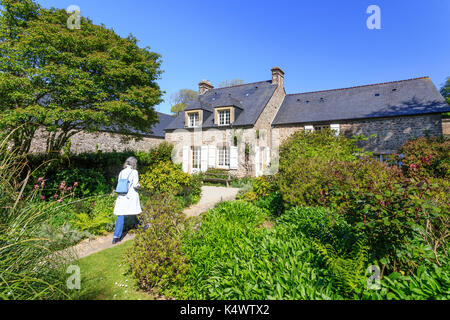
x=204, y=86
x=278, y=76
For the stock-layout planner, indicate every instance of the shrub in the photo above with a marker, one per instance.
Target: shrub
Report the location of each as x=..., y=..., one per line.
x=166, y=177
x=234, y=255
x=304, y=164
x=157, y=259
x=161, y=153
x=426, y=157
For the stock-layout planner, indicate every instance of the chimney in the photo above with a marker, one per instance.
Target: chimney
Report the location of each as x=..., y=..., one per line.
x=204, y=86
x=278, y=76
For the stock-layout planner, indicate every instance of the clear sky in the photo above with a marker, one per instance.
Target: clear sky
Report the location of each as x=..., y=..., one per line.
x=321, y=44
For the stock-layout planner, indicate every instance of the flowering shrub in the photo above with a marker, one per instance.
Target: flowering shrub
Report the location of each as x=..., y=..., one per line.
x=427, y=157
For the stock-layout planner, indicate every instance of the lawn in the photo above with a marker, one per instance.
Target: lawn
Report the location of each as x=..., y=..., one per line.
x=104, y=276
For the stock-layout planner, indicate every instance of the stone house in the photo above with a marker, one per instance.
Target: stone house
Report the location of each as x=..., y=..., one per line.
x=240, y=128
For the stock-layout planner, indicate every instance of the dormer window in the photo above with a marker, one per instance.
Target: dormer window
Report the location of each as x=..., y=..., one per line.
x=193, y=119
x=224, y=117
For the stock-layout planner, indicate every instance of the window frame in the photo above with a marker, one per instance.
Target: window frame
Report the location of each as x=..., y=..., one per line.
x=197, y=120
x=196, y=149
x=224, y=114
x=224, y=157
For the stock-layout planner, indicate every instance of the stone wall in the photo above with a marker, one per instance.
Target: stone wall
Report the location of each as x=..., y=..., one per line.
x=446, y=126
x=391, y=133
x=101, y=141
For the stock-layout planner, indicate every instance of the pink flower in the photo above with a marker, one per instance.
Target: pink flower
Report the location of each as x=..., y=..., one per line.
x=75, y=184
x=60, y=200
x=40, y=179
x=69, y=189
x=42, y=197
x=36, y=187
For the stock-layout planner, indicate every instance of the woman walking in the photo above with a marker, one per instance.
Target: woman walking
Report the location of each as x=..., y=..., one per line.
x=127, y=204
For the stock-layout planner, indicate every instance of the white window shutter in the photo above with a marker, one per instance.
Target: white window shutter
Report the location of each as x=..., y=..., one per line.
x=204, y=159
x=257, y=168
x=335, y=128
x=309, y=128
x=212, y=157
x=185, y=159
x=234, y=158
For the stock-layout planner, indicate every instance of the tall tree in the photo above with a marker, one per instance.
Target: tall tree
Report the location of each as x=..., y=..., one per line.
x=229, y=83
x=181, y=99
x=68, y=81
x=445, y=91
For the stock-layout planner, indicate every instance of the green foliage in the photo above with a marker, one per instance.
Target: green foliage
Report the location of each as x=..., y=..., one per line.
x=181, y=99
x=234, y=255
x=95, y=217
x=426, y=157
x=96, y=173
x=305, y=159
x=157, y=258
x=161, y=153
x=166, y=177
x=30, y=267
x=445, y=90
x=71, y=80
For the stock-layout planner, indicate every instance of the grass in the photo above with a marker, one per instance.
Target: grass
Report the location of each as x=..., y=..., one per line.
x=104, y=276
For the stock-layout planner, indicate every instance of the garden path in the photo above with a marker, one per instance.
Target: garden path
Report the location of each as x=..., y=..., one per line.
x=209, y=198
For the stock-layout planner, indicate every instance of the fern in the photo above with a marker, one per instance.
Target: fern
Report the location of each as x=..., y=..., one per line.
x=94, y=224
x=347, y=269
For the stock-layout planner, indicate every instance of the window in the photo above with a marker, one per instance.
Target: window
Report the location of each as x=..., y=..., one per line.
x=196, y=157
x=224, y=157
x=322, y=127
x=224, y=117
x=194, y=119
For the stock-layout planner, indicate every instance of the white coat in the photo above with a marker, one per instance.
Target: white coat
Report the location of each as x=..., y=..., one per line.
x=129, y=204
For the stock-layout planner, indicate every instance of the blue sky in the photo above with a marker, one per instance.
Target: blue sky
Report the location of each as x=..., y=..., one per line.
x=319, y=44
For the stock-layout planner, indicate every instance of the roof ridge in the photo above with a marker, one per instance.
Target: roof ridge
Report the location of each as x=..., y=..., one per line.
x=367, y=85
x=166, y=114
x=239, y=85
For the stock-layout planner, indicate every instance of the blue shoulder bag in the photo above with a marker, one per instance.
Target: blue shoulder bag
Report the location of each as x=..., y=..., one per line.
x=122, y=185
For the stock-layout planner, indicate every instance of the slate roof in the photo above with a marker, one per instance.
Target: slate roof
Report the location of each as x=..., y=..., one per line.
x=397, y=98
x=250, y=97
x=157, y=130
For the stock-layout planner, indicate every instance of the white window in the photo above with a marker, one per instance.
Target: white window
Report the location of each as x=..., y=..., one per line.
x=194, y=119
x=224, y=157
x=224, y=117
x=196, y=157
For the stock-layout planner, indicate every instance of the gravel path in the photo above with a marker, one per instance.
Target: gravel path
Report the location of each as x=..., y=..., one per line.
x=210, y=197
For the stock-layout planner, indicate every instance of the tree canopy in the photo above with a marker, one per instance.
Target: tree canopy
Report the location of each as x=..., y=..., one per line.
x=445, y=91
x=181, y=99
x=67, y=81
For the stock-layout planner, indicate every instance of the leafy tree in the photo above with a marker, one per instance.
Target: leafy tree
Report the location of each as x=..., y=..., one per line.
x=181, y=99
x=445, y=91
x=68, y=81
x=230, y=83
